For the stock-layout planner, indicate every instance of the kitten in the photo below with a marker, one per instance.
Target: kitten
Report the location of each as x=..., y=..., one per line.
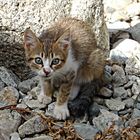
x=65, y=56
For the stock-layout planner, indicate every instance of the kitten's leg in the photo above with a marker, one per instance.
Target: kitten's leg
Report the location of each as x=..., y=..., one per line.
x=45, y=95
x=61, y=111
x=74, y=91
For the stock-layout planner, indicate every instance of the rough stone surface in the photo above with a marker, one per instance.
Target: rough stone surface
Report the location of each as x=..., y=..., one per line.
x=27, y=85
x=9, y=123
x=120, y=92
x=15, y=136
x=8, y=96
x=8, y=77
x=32, y=126
x=114, y=104
x=105, y=119
x=86, y=131
x=106, y=92
x=1, y=85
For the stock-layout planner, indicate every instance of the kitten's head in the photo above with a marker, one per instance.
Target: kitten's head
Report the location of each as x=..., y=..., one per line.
x=46, y=61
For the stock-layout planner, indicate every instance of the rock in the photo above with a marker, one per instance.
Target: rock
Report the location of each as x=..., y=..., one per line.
x=33, y=104
x=27, y=85
x=128, y=85
x=118, y=77
x=135, y=114
x=105, y=120
x=134, y=122
x=99, y=100
x=135, y=31
x=114, y=104
x=15, y=136
x=1, y=85
x=135, y=89
x=133, y=9
x=86, y=131
x=133, y=66
x=138, y=106
x=120, y=92
x=9, y=123
x=105, y=92
x=129, y=103
x=94, y=109
x=8, y=77
x=49, y=110
x=127, y=48
x=43, y=137
x=32, y=126
x=125, y=112
x=118, y=25
x=8, y=96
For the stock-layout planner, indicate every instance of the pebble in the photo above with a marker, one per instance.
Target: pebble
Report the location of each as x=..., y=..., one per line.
x=32, y=126
x=105, y=92
x=114, y=104
x=86, y=131
x=136, y=113
x=128, y=85
x=129, y=103
x=105, y=119
x=8, y=77
x=120, y=92
x=15, y=136
x=9, y=96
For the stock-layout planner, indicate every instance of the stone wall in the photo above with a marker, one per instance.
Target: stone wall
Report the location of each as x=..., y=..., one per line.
x=17, y=15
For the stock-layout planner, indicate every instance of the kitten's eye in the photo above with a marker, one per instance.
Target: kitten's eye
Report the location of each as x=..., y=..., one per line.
x=55, y=61
x=38, y=60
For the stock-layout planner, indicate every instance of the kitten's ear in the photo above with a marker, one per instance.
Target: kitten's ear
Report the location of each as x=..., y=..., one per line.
x=65, y=40
x=30, y=39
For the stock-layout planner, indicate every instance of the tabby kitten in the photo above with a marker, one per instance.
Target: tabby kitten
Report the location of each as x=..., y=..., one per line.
x=65, y=55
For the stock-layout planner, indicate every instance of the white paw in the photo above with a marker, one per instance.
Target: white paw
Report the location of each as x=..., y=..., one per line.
x=61, y=112
x=44, y=99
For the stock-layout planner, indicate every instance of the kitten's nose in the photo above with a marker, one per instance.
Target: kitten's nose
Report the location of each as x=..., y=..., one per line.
x=46, y=71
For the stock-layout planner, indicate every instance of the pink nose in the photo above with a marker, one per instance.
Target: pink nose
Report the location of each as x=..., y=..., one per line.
x=46, y=71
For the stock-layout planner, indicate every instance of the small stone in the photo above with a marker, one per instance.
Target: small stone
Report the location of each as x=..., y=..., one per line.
x=8, y=96
x=86, y=131
x=114, y=104
x=134, y=97
x=134, y=122
x=129, y=103
x=128, y=85
x=22, y=106
x=138, y=106
x=32, y=126
x=9, y=123
x=44, y=137
x=136, y=113
x=1, y=85
x=105, y=120
x=120, y=92
x=50, y=109
x=135, y=89
x=118, y=77
x=129, y=93
x=15, y=136
x=8, y=77
x=33, y=104
x=27, y=85
x=105, y=92
x=126, y=111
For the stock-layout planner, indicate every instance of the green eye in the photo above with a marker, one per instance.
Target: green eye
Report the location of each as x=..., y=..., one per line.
x=55, y=61
x=38, y=60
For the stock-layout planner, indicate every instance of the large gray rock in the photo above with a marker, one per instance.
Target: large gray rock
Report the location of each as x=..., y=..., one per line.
x=17, y=15
x=8, y=77
x=86, y=131
x=32, y=126
x=105, y=120
x=9, y=123
x=114, y=104
x=8, y=96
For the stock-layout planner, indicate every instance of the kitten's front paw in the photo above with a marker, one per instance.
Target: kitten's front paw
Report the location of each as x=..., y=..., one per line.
x=44, y=99
x=61, y=112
